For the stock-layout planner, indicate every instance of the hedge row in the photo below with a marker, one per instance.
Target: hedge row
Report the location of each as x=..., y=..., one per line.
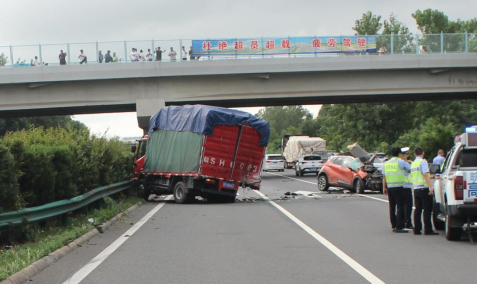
x=40, y=166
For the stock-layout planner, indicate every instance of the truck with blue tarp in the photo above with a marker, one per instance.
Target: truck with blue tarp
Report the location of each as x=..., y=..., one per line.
x=197, y=150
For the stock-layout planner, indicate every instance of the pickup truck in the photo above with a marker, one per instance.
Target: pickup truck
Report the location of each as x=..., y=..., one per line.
x=197, y=150
x=455, y=187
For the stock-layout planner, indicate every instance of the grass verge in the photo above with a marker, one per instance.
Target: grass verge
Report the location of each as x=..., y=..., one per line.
x=45, y=240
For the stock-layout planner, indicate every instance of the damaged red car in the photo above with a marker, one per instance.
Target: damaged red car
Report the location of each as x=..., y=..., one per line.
x=350, y=173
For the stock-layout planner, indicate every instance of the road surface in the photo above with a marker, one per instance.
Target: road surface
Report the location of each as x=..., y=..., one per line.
x=322, y=238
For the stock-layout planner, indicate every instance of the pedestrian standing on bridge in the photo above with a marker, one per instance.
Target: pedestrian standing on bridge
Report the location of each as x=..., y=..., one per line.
x=172, y=54
x=133, y=55
x=35, y=61
x=422, y=193
x=62, y=57
x=407, y=187
x=82, y=57
x=115, y=57
x=159, y=53
x=184, y=54
x=100, y=57
x=108, y=57
x=393, y=182
x=141, y=55
x=191, y=57
x=149, y=56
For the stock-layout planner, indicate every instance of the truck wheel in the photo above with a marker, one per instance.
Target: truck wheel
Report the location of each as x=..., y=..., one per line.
x=179, y=193
x=142, y=191
x=439, y=225
x=452, y=233
x=322, y=183
x=358, y=186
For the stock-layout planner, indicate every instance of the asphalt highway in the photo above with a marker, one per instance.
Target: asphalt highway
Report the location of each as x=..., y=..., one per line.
x=267, y=237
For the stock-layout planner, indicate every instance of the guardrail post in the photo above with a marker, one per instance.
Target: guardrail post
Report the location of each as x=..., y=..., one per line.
x=441, y=42
x=417, y=47
x=391, y=43
x=466, y=42
x=65, y=221
x=97, y=53
x=180, y=50
x=125, y=52
x=68, y=51
x=11, y=55
x=152, y=48
x=39, y=54
x=100, y=203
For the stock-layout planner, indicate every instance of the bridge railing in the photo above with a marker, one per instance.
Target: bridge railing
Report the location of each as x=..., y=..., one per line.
x=47, y=54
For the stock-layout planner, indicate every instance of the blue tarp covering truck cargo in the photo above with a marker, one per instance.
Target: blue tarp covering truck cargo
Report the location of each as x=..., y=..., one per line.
x=202, y=119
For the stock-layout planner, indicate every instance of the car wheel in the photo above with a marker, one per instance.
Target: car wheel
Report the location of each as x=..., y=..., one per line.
x=439, y=225
x=179, y=193
x=452, y=233
x=358, y=186
x=142, y=191
x=322, y=183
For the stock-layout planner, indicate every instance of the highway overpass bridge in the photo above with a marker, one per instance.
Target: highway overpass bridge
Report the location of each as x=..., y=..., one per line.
x=147, y=86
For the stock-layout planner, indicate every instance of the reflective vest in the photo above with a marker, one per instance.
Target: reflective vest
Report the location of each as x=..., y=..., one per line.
x=416, y=176
x=395, y=176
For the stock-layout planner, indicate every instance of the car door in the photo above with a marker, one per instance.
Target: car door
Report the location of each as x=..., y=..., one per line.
x=334, y=169
x=346, y=175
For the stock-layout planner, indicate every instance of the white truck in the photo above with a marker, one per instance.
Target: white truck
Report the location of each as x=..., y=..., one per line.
x=455, y=187
x=295, y=147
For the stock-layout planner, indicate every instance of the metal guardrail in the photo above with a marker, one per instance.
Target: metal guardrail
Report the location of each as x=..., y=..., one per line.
x=395, y=44
x=58, y=208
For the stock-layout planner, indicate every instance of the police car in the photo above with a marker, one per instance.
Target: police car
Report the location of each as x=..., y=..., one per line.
x=455, y=189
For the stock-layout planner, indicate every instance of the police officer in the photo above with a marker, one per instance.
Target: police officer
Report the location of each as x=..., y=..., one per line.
x=422, y=193
x=407, y=187
x=393, y=182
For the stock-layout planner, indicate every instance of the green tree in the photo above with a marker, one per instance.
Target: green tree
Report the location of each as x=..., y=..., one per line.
x=402, y=39
x=17, y=124
x=3, y=59
x=369, y=24
x=432, y=21
x=378, y=127
x=282, y=117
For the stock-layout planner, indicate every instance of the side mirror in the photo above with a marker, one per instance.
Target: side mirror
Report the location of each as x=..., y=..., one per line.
x=133, y=148
x=435, y=169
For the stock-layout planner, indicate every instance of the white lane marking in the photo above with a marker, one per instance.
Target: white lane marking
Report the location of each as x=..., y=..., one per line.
x=90, y=266
x=335, y=250
x=293, y=178
x=375, y=198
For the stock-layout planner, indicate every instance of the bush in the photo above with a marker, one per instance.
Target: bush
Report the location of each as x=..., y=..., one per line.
x=58, y=163
x=8, y=180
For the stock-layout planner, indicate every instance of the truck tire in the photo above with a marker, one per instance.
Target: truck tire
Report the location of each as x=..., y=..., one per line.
x=358, y=186
x=452, y=233
x=322, y=183
x=439, y=225
x=142, y=191
x=179, y=193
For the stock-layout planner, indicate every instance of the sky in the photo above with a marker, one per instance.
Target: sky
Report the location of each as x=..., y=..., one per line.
x=24, y=22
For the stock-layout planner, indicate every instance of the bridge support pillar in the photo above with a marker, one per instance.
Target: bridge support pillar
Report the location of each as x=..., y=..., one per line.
x=145, y=108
